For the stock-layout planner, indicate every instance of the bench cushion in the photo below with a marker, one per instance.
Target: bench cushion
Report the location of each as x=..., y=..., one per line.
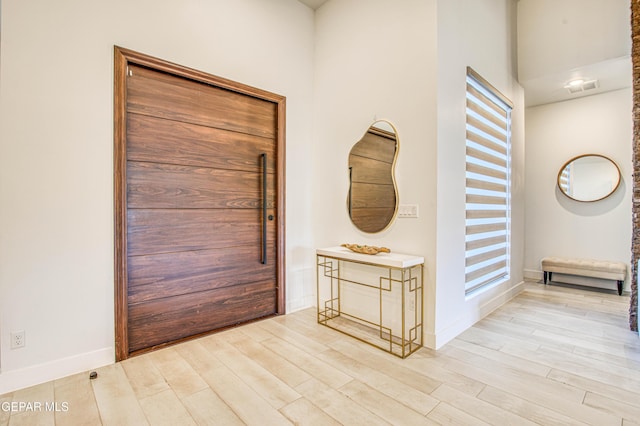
x=606, y=269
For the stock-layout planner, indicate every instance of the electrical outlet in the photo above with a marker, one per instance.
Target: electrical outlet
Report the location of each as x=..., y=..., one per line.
x=17, y=339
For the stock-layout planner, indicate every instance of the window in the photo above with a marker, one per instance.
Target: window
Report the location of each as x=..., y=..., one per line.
x=565, y=179
x=487, y=184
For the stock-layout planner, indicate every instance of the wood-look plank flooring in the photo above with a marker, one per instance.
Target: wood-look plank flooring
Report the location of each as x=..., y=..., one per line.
x=551, y=356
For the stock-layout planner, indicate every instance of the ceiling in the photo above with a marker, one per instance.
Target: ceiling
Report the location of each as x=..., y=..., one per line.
x=559, y=42
x=611, y=74
x=563, y=40
x=313, y=4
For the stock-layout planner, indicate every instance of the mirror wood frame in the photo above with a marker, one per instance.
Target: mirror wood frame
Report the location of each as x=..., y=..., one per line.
x=370, y=197
x=564, y=166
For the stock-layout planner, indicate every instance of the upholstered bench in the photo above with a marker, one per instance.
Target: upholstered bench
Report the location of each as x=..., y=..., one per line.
x=604, y=269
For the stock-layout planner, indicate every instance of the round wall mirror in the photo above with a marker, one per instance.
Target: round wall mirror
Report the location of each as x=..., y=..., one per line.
x=372, y=201
x=589, y=177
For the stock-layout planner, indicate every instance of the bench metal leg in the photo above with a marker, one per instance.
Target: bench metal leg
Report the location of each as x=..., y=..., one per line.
x=545, y=276
x=620, y=282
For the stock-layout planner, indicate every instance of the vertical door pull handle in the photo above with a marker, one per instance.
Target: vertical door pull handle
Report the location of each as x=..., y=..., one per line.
x=264, y=208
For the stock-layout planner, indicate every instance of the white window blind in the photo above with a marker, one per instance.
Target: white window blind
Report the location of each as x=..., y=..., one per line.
x=487, y=184
x=565, y=179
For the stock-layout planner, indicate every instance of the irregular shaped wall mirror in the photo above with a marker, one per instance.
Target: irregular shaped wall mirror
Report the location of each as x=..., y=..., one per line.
x=589, y=177
x=373, y=197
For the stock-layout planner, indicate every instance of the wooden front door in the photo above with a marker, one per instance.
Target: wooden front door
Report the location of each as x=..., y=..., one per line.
x=199, y=187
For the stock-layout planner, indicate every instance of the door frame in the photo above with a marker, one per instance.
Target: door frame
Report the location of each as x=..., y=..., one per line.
x=122, y=58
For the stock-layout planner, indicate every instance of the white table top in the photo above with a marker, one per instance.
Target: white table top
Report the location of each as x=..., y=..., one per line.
x=395, y=260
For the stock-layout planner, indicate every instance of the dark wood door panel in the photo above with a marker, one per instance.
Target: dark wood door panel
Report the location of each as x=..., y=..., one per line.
x=189, y=181
x=376, y=147
x=158, y=140
x=372, y=195
x=373, y=217
x=165, y=320
x=172, y=274
x=167, y=96
x=154, y=231
x=171, y=231
x=153, y=185
x=370, y=171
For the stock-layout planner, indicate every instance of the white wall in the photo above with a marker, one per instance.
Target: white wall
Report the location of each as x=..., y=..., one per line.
x=411, y=70
x=56, y=160
x=377, y=61
x=564, y=40
x=479, y=34
x=555, y=224
x=401, y=61
x=558, y=35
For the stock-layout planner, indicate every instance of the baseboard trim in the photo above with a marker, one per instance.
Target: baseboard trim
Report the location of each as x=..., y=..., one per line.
x=532, y=274
x=442, y=337
x=300, y=304
x=13, y=380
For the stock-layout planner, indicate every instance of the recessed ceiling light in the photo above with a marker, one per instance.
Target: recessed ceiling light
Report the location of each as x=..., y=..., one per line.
x=580, y=85
x=574, y=83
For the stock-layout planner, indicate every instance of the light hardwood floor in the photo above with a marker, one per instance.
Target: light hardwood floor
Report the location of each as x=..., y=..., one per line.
x=551, y=356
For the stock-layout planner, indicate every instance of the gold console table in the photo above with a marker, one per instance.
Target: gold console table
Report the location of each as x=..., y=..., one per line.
x=377, y=299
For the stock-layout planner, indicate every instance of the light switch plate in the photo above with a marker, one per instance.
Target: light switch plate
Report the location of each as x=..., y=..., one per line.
x=408, y=210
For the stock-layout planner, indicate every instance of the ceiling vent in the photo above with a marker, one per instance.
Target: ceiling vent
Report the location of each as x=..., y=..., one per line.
x=578, y=86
